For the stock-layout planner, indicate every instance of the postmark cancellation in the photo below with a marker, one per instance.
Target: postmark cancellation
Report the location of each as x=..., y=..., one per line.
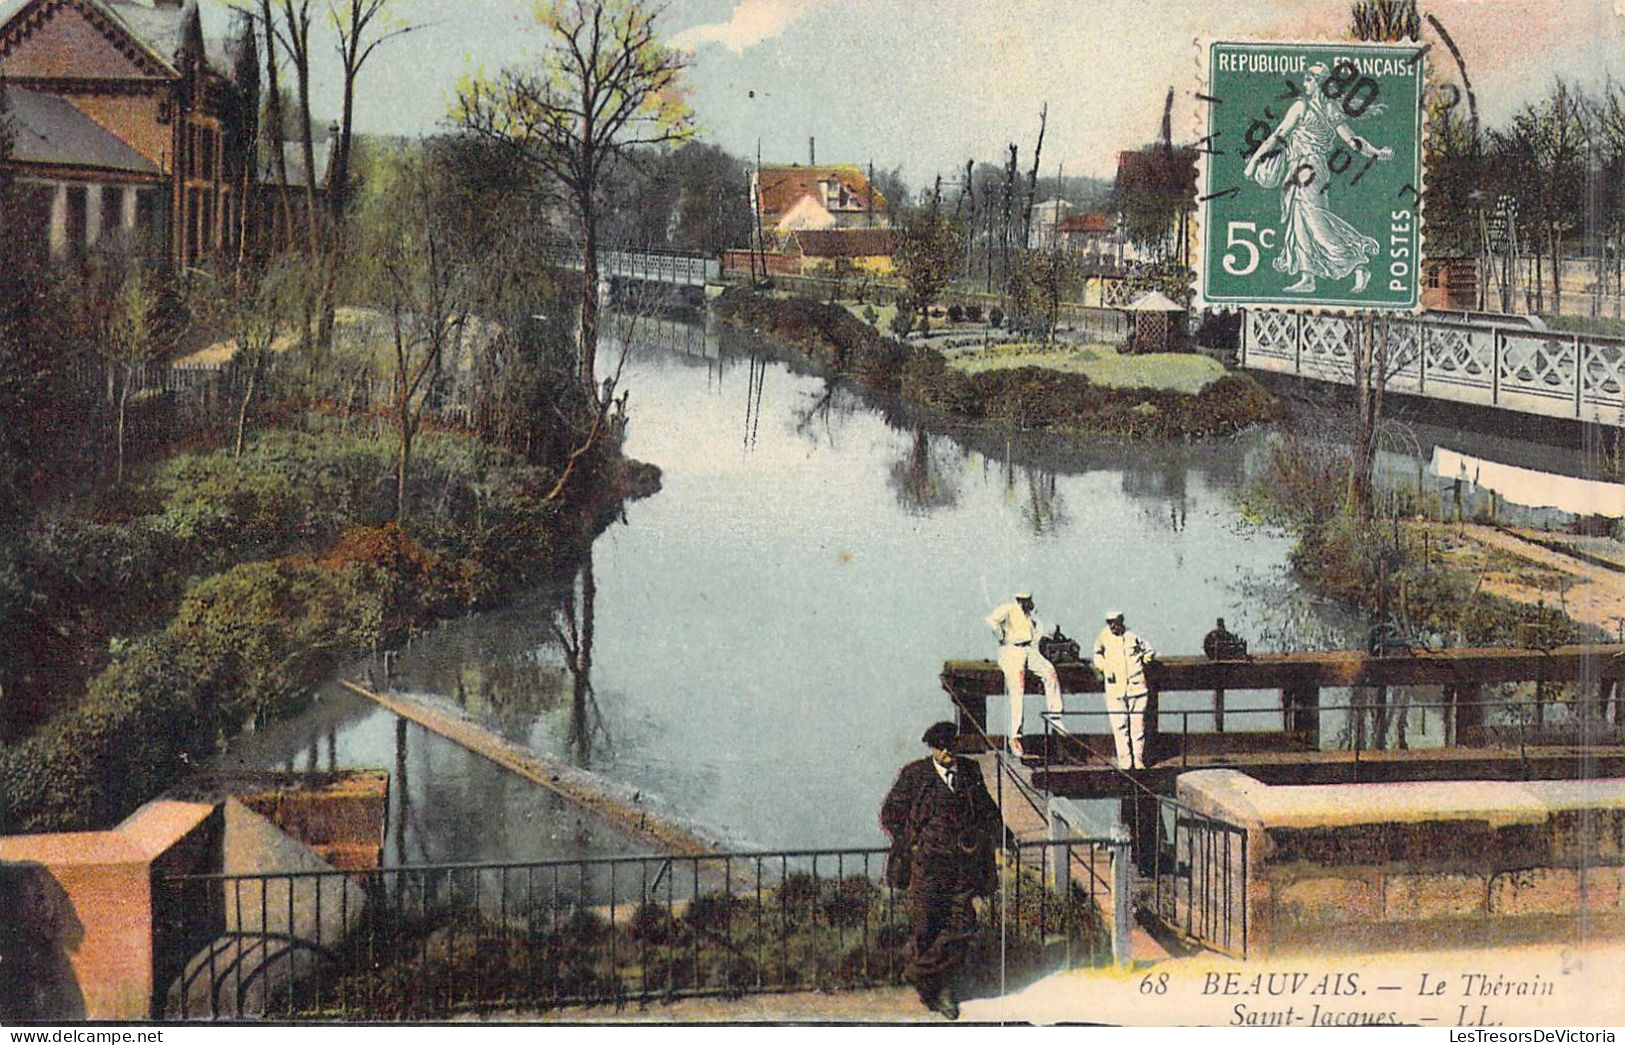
x=1311, y=181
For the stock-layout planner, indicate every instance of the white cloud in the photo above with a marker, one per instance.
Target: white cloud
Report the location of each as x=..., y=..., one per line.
x=752, y=22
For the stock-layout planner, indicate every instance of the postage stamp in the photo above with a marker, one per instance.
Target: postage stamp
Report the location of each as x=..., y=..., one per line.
x=1313, y=175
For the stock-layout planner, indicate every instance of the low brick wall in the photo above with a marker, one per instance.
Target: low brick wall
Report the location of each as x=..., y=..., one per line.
x=77, y=938
x=93, y=927
x=1447, y=863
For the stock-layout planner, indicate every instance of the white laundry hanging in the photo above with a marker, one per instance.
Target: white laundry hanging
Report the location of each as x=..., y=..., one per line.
x=1531, y=488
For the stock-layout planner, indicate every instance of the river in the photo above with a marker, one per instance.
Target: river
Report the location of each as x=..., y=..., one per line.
x=757, y=646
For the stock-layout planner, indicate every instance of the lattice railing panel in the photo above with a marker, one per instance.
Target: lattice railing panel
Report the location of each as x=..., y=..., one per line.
x=1536, y=365
x=1328, y=347
x=1271, y=334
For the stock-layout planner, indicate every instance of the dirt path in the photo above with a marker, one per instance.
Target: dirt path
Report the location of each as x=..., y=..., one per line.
x=1523, y=571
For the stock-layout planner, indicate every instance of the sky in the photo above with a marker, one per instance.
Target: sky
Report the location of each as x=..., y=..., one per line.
x=926, y=84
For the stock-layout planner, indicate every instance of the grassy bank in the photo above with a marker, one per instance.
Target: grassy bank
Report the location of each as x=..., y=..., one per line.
x=1377, y=568
x=1103, y=365
x=212, y=592
x=1022, y=395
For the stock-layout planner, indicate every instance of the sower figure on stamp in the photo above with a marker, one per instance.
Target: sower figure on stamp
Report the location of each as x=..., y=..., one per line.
x=1018, y=631
x=943, y=826
x=1121, y=657
x=1314, y=241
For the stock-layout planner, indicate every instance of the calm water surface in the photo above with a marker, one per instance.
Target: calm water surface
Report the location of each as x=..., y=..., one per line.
x=757, y=645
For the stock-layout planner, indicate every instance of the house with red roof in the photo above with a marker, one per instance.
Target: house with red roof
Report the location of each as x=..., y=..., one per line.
x=128, y=126
x=1096, y=237
x=822, y=251
x=837, y=196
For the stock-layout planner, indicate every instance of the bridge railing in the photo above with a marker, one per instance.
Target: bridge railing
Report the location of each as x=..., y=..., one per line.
x=428, y=942
x=1547, y=372
x=1398, y=722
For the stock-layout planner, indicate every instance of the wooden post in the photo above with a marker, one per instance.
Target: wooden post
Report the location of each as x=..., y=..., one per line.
x=1466, y=713
x=970, y=713
x=1218, y=710
x=1300, y=710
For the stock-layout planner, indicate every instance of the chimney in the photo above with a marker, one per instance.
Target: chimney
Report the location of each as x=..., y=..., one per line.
x=812, y=151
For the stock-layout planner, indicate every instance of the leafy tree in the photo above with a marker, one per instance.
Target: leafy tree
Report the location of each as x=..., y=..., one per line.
x=130, y=340
x=1156, y=193
x=422, y=277
x=928, y=253
x=1040, y=281
x=603, y=83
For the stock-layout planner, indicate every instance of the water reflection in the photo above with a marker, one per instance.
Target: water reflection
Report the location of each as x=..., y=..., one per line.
x=573, y=628
x=922, y=485
x=758, y=645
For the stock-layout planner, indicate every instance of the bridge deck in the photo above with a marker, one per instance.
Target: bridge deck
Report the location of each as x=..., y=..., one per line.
x=1089, y=869
x=1101, y=779
x=1327, y=668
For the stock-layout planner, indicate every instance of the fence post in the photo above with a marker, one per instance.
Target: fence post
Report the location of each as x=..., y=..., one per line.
x=1579, y=375
x=1421, y=358
x=1122, y=907
x=1495, y=366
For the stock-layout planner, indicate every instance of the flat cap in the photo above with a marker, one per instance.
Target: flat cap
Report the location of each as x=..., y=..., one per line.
x=941, y=735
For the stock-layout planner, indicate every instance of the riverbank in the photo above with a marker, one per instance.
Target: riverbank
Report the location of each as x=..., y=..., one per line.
x=1424, y=584
x=1024, y=397
x=211, y=593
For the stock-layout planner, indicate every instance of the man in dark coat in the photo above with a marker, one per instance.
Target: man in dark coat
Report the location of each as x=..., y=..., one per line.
x=944, y=827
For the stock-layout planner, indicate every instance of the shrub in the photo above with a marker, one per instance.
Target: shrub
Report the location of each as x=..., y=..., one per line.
x=870, y=316
x=973, y=312
x=956, y=313
x=903, y=322
x=996, y=317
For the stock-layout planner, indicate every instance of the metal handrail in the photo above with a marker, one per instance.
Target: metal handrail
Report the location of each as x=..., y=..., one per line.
x=434, y=939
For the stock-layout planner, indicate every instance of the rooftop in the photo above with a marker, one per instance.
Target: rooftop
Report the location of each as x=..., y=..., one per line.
x=783, y=187
x=49, y=131
x=846, y=243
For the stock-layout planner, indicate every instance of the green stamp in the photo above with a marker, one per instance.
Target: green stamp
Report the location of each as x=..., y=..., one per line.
x=1313, y=187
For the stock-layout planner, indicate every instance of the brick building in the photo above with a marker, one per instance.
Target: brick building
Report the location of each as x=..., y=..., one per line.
x=129, y=127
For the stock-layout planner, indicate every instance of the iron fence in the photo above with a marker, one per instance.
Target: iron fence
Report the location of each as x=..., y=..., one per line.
x=1395, y=722
x=1199, y=865
x=427, y=942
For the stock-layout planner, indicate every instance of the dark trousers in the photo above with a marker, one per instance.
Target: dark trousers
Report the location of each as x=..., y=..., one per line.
x=944, y=921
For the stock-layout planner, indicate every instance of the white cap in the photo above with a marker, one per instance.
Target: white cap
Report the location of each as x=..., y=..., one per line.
x=1113, y=614
x=1023, y=595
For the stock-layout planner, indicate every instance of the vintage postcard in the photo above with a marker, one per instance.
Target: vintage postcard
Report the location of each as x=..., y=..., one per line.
x=812, y=512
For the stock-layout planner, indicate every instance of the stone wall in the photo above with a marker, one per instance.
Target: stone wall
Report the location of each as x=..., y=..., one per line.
x=1446, y=863
x=125, y=925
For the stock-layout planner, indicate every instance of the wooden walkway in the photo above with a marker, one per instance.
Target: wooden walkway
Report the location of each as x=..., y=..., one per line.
x=1023, y=805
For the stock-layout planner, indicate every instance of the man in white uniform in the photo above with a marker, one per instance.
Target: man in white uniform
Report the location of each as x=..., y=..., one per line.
x=1018, y=632
x=1121, y=657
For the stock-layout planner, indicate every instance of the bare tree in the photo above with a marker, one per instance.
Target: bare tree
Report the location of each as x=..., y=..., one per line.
x=602, y=84
x=258, y=313
x=1032, y=179
x=293, y=33
x=362, y=26
x=1374, y=364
